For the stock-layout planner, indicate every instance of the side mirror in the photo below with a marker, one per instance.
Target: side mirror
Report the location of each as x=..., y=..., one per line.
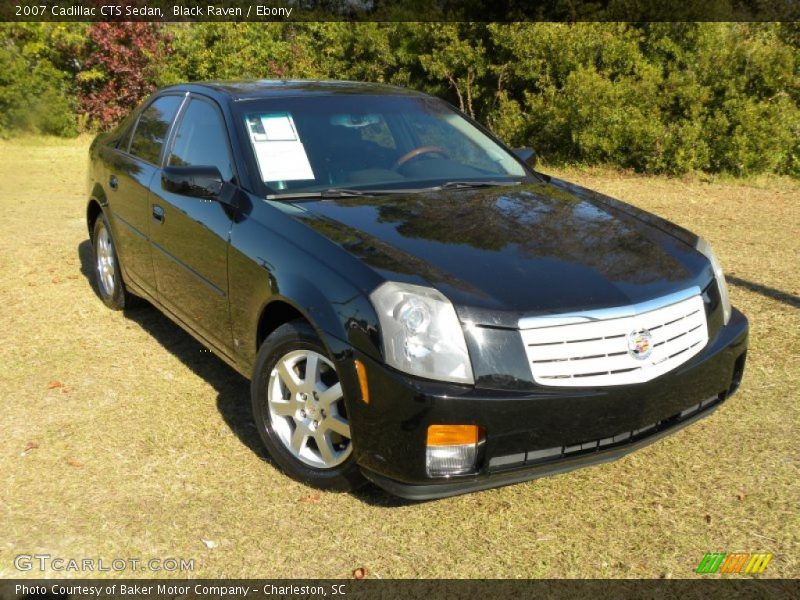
x=527, y=155
x=198, y=182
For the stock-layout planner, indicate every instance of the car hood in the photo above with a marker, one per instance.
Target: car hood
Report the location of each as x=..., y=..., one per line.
x=500, y=253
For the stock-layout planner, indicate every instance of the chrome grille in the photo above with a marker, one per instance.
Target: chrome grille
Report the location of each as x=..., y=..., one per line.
x=592, y=348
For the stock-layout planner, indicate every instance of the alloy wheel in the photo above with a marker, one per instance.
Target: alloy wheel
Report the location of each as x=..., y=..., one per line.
x=307, y=411
x=105, y=262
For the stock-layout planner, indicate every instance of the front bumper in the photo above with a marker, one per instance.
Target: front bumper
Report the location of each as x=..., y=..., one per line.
x=540, y=431
x=530, y=470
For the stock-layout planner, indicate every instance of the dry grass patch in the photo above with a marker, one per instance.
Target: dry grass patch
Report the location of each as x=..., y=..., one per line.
x=123, y=437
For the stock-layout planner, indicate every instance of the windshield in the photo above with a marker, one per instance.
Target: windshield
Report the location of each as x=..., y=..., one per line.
x=360, y=142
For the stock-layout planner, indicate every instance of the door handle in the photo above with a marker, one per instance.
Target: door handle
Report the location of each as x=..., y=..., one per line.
x=158, y=213
x=113, y=182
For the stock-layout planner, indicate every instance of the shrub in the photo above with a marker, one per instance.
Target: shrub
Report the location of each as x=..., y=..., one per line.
x=655, y=97
x=120, y=69
x=34, y=93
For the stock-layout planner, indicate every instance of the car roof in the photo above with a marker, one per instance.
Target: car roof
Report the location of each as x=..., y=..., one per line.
x=269, y=88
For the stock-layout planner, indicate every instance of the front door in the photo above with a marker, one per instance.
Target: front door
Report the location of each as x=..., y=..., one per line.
x=190, y=235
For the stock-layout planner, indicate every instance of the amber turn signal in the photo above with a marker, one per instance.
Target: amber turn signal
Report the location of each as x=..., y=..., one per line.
x=361, y=370
x=453, y=435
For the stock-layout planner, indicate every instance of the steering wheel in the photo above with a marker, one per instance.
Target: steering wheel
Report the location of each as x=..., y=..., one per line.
x=411, y=154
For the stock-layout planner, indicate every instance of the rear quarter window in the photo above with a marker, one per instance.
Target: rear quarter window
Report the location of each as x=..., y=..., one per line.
x=122, y=136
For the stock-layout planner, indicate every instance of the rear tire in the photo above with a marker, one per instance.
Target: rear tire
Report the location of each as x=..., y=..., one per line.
x=300, y=412
x=107, y=270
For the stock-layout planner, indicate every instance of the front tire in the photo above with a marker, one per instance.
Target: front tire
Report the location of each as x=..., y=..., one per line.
x=300, y=412
x=107, y=270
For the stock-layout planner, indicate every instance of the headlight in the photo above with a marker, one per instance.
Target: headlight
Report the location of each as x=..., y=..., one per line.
x=421, y=332
x=705, y=248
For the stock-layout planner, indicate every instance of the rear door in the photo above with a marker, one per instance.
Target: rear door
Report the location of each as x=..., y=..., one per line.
x=135, y=164
x=190, y=235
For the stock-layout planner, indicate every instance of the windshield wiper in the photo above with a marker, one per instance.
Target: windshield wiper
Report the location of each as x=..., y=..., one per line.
x=352, y=193
x=329, y=193
x=450, y=185
x=337, y=193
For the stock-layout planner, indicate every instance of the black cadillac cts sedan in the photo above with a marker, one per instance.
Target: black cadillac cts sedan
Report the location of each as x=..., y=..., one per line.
x=413, y=303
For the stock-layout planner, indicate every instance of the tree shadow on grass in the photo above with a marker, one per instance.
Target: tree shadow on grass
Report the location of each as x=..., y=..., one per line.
x=765, y=290
x=233, y=390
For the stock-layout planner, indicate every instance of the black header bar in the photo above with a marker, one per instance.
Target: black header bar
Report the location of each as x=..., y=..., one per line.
x=379, y=589
x=401, y=10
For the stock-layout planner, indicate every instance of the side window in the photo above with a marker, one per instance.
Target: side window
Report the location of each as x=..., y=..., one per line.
x=202, y=140
x=125, y=140
x=151, y=130
x=124, y=131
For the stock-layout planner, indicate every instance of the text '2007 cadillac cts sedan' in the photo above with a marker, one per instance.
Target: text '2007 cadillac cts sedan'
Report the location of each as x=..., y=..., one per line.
x=413, y=303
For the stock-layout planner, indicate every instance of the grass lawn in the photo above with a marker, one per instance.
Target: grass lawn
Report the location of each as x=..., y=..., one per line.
x=123, y=437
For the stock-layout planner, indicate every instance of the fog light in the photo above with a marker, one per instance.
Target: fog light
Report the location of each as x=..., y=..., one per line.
x=452, y=449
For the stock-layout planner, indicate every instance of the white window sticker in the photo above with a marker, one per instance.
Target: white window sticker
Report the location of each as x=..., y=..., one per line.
x=279, y=128
x=280, y=154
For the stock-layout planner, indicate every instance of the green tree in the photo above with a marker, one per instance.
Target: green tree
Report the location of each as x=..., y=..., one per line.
x=37, y=63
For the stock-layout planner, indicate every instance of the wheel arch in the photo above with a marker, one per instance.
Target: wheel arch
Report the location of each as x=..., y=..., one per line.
x=275, y=313
x=332, y=314
x=281, y=309
x=94, y=207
